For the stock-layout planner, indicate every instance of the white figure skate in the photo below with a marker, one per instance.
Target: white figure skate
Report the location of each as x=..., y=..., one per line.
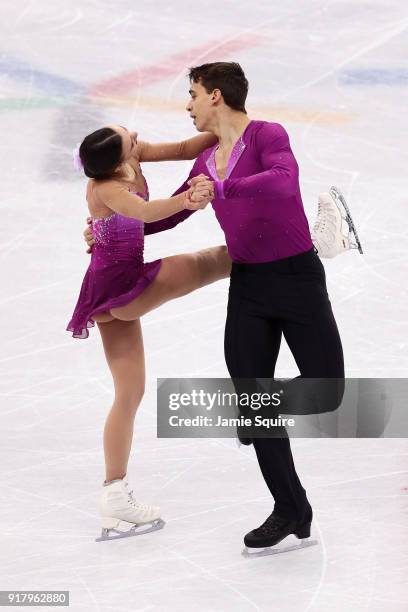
x=334, y=231
x=117, y=504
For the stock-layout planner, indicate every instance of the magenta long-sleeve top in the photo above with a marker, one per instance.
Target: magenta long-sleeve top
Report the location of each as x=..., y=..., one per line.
x=258, y=204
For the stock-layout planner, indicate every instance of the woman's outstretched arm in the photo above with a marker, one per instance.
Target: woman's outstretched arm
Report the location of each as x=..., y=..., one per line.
x=117, y=197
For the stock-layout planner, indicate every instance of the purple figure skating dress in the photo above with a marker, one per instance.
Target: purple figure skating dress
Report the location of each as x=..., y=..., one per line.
x=117, y=273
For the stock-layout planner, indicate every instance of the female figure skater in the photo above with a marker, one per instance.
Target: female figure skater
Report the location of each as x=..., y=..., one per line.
x=119, y=287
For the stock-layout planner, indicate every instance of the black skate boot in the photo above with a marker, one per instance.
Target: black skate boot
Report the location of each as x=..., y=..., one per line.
x=275, y=529
x=245, y=441
x=242, y=437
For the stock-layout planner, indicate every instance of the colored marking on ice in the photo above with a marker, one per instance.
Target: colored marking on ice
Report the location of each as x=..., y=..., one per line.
x=162, y=105
x=57, y=86
x=375, y=76
x=267, y=113
x=46, y=82
x=171, y=66
x=112, y=92
x=288, y=114
x=28, y=103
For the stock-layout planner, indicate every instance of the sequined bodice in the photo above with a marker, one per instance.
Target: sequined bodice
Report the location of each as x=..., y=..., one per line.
x=117, y=239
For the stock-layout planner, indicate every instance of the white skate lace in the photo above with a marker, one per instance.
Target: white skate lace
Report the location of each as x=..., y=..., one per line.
x=136, y=504
x=318, y=223
x=323, y=217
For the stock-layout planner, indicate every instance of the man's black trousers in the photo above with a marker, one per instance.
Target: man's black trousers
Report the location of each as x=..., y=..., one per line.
x=266, y=300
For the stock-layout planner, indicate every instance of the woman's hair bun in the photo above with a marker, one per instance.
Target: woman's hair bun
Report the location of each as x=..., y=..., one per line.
x=100, y=153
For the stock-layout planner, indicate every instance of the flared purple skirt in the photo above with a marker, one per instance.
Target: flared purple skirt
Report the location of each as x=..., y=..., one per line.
x=109, y=287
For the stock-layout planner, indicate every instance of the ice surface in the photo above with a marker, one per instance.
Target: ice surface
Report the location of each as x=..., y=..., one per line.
x=333, y=74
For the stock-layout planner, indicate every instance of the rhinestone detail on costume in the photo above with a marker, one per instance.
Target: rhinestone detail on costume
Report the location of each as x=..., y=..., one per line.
x=236, y=153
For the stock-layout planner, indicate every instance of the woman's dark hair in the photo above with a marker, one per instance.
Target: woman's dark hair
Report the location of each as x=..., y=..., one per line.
x=100, y=153
x=228, y=77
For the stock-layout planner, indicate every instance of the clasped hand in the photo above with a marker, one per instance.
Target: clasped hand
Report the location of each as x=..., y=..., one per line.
x=201, y=192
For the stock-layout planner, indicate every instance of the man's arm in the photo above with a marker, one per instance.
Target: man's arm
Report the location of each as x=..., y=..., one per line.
x=280, y=179
x=170, y=222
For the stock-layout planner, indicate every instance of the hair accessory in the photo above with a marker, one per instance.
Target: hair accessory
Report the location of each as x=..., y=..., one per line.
x=78, y=165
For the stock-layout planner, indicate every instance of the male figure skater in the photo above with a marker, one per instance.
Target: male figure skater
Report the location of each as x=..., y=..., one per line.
x=277, y=280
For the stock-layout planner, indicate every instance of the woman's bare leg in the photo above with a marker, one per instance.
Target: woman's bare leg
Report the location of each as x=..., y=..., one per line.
x=123, y=346
x=178, y=275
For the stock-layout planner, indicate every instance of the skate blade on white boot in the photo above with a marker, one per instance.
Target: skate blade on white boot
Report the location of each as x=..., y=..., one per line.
x=339, y=198
x=109, y=527
x=117, y=504
x=251, y=553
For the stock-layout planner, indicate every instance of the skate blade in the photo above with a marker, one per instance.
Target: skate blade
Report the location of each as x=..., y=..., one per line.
x=339, y=197
x=135, y=530
x=250, y=553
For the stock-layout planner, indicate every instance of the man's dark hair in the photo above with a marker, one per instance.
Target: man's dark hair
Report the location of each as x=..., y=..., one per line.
x=228, y=77
x=100, y=153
